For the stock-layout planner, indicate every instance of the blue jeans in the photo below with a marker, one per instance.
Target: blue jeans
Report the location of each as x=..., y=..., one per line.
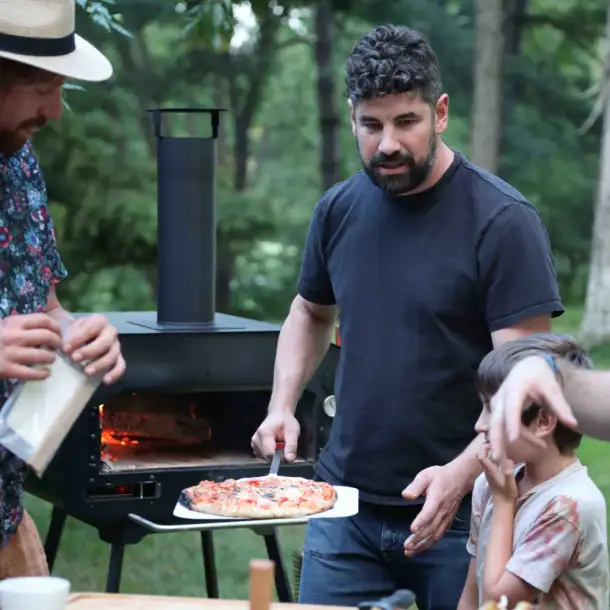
x=361, y=558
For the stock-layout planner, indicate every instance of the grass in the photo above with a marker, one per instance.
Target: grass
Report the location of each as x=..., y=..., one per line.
x=171, y=564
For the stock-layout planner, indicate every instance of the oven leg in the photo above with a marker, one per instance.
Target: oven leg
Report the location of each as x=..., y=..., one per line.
x=56, y=528
x=209, y=564
x=115, y=567
x=282, y=586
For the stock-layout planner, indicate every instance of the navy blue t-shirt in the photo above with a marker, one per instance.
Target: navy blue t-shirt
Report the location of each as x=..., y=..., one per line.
x=420, y=282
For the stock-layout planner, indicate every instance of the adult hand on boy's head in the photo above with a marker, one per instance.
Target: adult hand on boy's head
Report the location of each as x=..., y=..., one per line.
x=531, y=381
x=444, y=491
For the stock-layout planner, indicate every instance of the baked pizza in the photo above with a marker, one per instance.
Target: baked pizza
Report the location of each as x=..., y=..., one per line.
x=267, y=497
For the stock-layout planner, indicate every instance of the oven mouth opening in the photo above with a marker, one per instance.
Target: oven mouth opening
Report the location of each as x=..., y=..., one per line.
x=147, y=431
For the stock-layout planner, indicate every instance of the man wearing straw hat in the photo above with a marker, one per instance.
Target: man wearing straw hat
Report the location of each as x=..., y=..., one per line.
x=39, y=50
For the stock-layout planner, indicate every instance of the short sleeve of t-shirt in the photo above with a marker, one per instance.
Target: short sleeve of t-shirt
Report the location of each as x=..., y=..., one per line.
x=479, y=500
x=547, y=548
x=516, y=268
x=314, y=283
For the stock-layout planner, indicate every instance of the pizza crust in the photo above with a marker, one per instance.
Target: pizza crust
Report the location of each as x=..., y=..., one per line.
x=267, y=497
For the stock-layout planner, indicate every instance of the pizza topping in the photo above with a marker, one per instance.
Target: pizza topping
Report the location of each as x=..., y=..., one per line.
x=261, y=497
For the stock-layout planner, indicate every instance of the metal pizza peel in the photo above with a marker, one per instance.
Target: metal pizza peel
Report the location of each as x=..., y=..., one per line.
x=277, y=458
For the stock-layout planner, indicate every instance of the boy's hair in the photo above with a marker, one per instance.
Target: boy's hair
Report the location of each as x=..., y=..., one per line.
x=498, y=363
x=392, y=59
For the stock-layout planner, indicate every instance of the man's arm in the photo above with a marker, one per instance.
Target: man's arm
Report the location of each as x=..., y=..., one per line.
x=588, y=393
x=304, y=340
x=467, y=465
x=568, y=392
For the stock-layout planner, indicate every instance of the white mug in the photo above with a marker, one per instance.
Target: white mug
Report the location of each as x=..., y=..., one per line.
x=35, y=592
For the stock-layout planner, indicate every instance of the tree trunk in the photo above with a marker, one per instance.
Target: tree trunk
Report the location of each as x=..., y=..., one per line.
x=486, y=123
x=327, y=111
x=244, y=105
x=595, y=327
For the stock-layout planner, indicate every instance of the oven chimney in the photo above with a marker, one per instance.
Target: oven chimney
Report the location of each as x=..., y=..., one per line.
x=186, y=232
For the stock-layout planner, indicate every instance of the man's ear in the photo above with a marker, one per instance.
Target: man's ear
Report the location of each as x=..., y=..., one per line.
x=352, y=116
x=441, y=114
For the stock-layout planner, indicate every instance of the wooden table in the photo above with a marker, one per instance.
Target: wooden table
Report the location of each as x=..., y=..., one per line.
x=119, y=601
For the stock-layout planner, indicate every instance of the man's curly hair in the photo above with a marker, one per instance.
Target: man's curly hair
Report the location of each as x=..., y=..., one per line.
x=392, y=59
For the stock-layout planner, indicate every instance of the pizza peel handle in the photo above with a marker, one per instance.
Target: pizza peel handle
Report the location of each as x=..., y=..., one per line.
x=262, y=572
x=277, y=458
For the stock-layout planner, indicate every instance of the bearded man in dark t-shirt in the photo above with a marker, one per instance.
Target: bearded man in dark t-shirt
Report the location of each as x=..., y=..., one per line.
x=431, y=262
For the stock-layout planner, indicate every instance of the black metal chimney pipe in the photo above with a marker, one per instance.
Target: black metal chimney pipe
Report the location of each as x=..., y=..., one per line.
x=186, y=232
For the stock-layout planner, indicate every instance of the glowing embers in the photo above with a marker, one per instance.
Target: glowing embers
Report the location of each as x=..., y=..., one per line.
x=142, y=431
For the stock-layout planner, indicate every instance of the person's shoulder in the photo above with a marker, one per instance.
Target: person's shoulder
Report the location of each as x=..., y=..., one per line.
x=578, y=500
x=337, y=202
x=343, y=194
x=490, y=187
x=491, y=195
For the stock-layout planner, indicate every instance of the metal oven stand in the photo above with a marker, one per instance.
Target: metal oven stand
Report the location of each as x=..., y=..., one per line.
x=138, y=527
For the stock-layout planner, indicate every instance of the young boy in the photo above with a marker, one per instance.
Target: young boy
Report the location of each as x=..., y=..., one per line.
x=538, y=531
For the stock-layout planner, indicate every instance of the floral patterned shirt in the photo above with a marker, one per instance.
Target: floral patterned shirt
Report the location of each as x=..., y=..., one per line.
x=29, y=265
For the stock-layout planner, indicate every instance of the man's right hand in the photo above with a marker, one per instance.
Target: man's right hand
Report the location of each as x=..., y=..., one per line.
x=277, y=427
x=25, y=340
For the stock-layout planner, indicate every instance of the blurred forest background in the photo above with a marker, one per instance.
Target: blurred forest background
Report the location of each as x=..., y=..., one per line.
x=529, y=85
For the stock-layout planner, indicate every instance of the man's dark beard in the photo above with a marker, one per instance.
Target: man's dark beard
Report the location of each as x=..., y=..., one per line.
x=12, y=141
x=414, y=175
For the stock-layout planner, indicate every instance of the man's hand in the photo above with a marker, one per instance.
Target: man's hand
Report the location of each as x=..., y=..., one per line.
x=443, y=487
x=531, y=381
x=277, y=427
x=95, y=340
x=26, y=340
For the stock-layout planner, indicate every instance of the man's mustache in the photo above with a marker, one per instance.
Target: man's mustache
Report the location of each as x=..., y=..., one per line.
x=399, y=157
x=33, y=124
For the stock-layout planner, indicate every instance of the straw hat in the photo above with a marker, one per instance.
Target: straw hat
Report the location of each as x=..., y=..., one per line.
x=41, y=33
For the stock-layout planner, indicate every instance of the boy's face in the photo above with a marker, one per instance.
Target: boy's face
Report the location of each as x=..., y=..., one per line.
x=520, y=451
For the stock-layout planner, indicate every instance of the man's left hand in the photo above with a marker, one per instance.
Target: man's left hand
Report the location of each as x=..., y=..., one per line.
x=94, y=339
x=443, y=488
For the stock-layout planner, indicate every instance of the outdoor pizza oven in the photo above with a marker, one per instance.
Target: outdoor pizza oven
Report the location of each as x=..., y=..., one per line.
x=196, y=388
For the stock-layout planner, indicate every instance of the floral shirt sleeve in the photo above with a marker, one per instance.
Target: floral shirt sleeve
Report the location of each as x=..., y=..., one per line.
x=29, y=265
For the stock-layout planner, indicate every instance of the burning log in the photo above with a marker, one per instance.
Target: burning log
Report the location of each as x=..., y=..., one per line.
x=131, y=424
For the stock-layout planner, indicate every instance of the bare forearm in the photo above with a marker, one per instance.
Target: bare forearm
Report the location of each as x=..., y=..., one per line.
x=467, y=463
x=499, y=548
x=469, y=599
x=302, y=344
x=588, y=393
x=468, y=603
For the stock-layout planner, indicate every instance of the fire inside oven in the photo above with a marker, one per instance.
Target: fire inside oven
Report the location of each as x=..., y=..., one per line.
x=147, y=430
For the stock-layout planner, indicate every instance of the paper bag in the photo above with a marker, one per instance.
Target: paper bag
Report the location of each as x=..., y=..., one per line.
x=39, y=414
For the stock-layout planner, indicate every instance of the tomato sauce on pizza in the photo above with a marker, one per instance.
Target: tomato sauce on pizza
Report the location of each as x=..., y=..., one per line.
x=267, y=497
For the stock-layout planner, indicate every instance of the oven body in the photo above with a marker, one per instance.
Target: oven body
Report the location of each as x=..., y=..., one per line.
x=219, y=376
